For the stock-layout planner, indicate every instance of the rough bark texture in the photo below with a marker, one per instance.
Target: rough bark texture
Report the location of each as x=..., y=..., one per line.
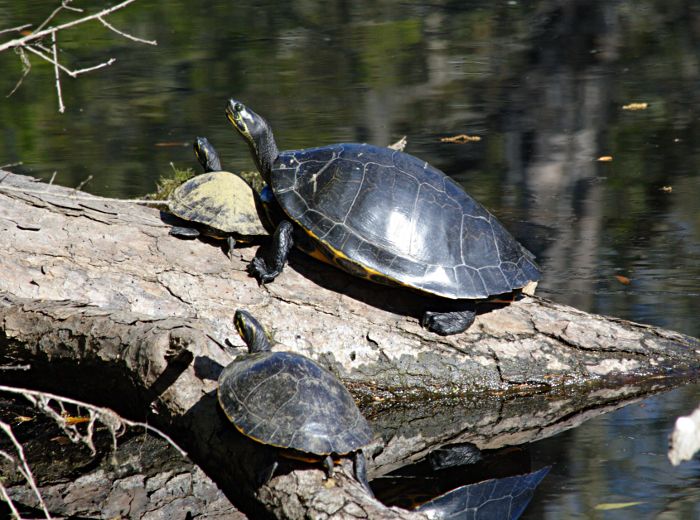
x=144, y=478
x=102, y=303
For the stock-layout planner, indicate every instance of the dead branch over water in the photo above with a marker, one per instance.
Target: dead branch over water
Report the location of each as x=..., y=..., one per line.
x=32, y=43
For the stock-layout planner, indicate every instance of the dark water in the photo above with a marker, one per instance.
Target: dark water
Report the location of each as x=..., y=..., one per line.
x=541, y=83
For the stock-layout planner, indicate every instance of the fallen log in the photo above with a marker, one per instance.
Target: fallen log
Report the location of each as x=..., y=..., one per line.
x=100, y=303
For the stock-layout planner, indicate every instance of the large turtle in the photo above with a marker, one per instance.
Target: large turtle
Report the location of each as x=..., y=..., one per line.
x=218, y=204
x=287, y=400
x=386, y=216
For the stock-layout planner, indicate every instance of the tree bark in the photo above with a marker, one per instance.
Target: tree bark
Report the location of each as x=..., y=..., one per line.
x=104, y=305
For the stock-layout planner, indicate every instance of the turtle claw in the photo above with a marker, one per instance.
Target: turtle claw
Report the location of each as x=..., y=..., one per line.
x=447, y=323
x=259, y=269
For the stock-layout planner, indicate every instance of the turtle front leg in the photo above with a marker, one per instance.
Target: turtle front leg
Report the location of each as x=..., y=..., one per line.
x=448, y=323
x=270, y=259
x=360, y=465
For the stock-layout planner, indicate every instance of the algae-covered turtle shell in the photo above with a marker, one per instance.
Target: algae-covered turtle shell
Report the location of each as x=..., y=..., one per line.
x=221, y=201
x=218, y=204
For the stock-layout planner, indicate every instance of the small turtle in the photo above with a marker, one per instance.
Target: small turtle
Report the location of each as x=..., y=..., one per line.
x=218, y=204
x=388, y=217
x=288, y=401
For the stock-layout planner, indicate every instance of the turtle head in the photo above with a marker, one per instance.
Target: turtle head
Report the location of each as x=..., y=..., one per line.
x=251, y=332
x=206, y=155
x=257, y=134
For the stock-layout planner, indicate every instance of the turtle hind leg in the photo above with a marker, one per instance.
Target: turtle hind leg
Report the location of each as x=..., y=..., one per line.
x=328, y=466
x=266, y=473
x=360, y=466
x=447, y=323
x=184, y=232
x=230, y=245
x=271, y=258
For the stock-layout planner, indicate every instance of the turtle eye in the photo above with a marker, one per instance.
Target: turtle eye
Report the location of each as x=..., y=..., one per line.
x=238, y=107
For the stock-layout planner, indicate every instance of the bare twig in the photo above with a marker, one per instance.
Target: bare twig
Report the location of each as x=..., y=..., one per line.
x=64, y=5
x=55, y=63
x=25, y=469
x=82, y=197
x=15, y=367
x=40, y=34
x=71, y=73
x=32, y=43
x=61, y=106
x=125, y=35
x=16, y=29
x=26, y=67
x=109, y=418
x=95, y=67
x=10, y=165
x=6, y=498
x=83, y=183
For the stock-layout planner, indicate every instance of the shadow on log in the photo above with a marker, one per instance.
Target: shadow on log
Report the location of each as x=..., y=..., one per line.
x=104, y=306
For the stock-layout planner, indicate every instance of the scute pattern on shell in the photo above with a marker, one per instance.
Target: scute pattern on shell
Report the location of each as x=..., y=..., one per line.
x=396, y=215
x=287, y=400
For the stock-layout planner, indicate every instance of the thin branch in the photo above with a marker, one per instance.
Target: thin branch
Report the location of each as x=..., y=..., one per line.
x=95, y=67
x=27, y=470
x=106, y=416
x=72, y=73
x=64, y=5
x=15, y=367
x=52, y=61
x=6, y=498
x=125, y=35
x=10, y=165
x=82, y=197
x=83, y=183
x=40, y=34
x=15, y=29
x=61, y=106
x=32, y=43
x=26, y=67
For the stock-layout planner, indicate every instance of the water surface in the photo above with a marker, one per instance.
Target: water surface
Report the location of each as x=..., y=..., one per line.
x=542, y=84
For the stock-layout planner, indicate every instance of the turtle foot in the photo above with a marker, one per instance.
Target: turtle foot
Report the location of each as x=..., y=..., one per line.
x=183, y=232
x=259, y=269
x=448, y=323
x=271, y=258
x=360, y=467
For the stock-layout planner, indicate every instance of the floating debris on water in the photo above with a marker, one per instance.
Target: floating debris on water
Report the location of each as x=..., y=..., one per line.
x=460, y=139
x=635, y=106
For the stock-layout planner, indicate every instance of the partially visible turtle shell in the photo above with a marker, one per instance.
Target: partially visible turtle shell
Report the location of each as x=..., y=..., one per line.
x=390, y=217
x=220, y=200
x=289, y=401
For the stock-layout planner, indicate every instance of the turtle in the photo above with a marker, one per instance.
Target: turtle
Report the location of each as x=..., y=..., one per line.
x=218, y=204
x=289, y=401
x=386, y=216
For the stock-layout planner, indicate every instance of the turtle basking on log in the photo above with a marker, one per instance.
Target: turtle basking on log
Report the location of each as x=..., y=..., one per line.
x=388, y=217
x=286, y=400
x=217, y=204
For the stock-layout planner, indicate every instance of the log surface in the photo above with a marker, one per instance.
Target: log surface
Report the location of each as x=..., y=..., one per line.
x=95, y=291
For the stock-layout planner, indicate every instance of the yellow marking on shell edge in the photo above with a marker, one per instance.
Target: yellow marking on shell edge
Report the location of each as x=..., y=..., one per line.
x=368, y=271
